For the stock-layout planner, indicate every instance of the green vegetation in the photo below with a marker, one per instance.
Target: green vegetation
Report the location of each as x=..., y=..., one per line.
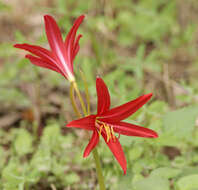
x=136, y=46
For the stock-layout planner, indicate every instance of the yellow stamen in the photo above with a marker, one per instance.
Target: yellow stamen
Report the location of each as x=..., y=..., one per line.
x=108, y=133
x=108, y=129
x=100, y=130
x=113, y=134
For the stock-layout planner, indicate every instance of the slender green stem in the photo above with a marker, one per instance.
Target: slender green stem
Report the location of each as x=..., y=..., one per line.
x=80, y=98
x=78, y=114
x=98, y=169
x=95, y=152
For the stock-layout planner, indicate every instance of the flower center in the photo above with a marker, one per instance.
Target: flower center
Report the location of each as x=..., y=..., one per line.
x=107, y=129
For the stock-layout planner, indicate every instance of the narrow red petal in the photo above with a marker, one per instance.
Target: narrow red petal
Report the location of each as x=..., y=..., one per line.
x=128, y=129
x=87, y=123
x=76, y=46
x=75, y=51
x=38, y=51
x=70, y=39
x=116, y=148
x=55, y=41
x=73, y=30
x=122, y=112
x=103, y=96
x=92, y=143
x=41, y=63
x=43, y=53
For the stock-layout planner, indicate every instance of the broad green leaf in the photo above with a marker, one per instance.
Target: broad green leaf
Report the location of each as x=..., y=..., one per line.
x=189, y=171
x=152, y=183
x=188, y=182
x=179, y=125
x=181, y=122
x=12, y=175
x=51, y=136
x=23, y=142
x=166, y=172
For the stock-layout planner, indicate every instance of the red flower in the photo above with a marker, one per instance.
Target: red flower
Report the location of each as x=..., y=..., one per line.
x=62, y=54
x=108, y=121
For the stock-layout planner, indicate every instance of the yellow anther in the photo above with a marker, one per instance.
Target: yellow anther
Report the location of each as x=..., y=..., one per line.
x=113, y=134
x=100, y=130
x=108, y=132
x=108, y=129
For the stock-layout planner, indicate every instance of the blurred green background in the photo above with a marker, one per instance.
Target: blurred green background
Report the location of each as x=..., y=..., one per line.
x=136, y=46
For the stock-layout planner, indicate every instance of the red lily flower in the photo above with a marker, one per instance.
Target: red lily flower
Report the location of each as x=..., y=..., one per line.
x=108, y=121
x=62, y=54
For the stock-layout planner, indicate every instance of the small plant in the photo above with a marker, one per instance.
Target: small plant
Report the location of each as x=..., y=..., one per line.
x=107, y=121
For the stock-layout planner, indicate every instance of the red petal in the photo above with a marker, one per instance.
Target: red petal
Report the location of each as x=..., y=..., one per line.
x=122, y=112
x=92, y=143
x=55, y=41
x=45, y=54
x=133, y=130
x=103, y=96
x=116, y=148
x=76, y=46
x=87, y=123
x=69, y=41
x=41, y=63
x=38, y=51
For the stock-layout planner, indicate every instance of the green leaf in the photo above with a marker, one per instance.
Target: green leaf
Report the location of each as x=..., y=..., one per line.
x=189, y=171
x=51, y=135
x=188, y=182
x=23, y=142
x=42, y=160
x=127, y=140
x=179, y=125
x=125, y=181
x=12, y=175
x=72, y=178
x=136, y=152
x=152, y=183
x=166, y=172
x=181, y=121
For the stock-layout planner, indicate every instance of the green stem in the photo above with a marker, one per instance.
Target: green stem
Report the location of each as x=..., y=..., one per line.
x=80, y=98
x=75, y=108
x=98, y=169
x=95, y=152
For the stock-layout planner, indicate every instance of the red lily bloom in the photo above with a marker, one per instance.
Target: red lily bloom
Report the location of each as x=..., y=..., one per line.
x=62, y=54
x=108, y=121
